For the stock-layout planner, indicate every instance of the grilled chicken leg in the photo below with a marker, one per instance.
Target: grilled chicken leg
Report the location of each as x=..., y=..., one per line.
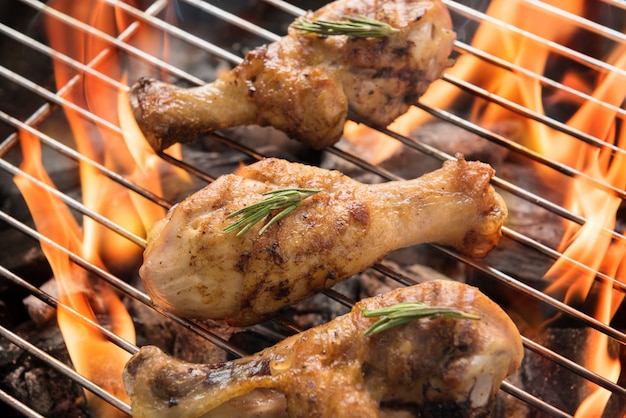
x=193, y=268
x=429, y=367
x=304, y=84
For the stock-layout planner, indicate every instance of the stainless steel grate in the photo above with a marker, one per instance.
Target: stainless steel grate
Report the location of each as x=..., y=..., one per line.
x=40, y=103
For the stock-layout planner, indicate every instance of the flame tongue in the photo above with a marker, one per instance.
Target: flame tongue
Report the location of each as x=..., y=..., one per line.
x=92, y=355
x=118, y=144
x=115, y=142
x=591, y=244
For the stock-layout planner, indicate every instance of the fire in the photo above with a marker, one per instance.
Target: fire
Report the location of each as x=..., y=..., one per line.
x=591, y=244
x=88, y=349
x=527, y=35
x=113, y=140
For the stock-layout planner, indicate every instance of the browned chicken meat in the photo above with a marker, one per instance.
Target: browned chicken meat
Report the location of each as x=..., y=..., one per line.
x=304, y=84
x=438, y=367
x=193, y=268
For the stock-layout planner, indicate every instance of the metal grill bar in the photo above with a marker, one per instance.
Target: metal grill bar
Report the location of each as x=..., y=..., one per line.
x=18, y=406
x=581, y=371
x=615, y=3
x=54, y=303
x=538, y=295
x=170, y=29
x=521, y=110
x=519, y=149
x=115, y=41
x=287, y=7
x=117, y=283
x=235, y=20
x=76, y=156
x=580, y=21
x=64, y=369
x=545, y=81
x=581, y=58
x=531, y=400
x=74, y=204
x=149, y=17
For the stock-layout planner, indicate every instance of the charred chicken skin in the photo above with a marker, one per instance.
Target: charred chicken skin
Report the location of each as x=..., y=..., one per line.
x=192, y=267
x=304, y=83
x=438, y=367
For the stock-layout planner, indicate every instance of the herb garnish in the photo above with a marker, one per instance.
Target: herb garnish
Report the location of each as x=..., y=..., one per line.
x=401, y=313
x=361, y=27
x=285, y=199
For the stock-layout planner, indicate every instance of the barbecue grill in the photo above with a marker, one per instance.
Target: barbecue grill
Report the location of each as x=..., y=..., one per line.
x=205, y=37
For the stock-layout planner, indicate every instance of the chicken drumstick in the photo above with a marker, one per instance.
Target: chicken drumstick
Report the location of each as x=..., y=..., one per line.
x=192, y=267
x=304, y=83
x=428, y=367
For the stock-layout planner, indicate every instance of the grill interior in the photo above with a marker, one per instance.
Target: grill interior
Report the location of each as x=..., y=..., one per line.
x=31, y=103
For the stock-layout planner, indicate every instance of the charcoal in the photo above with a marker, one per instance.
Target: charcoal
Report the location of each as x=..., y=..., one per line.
x=35, y=383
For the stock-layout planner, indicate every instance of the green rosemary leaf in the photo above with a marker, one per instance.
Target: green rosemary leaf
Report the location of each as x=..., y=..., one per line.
x=401, y=313
x=362, y=27
x=285, y=200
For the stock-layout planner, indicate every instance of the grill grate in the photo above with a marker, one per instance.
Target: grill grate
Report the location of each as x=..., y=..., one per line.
x=31, y=118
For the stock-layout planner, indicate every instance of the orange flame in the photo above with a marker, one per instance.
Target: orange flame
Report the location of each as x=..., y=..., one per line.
x=527, y=37
x=500, y=42
x=594, y=246
x=92, y=355
x=113, y=140
x=124, y=150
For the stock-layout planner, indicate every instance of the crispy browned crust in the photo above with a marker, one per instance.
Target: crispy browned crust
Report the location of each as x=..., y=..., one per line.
x=304, y=84
x=194, y=269
x=430, y=367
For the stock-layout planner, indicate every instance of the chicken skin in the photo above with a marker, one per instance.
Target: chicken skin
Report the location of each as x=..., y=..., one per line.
x=437, y=367
x=192, y=267
x=304, y=83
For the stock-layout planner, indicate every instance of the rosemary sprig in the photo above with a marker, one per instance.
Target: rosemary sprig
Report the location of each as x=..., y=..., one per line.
x=401, y=313
x=285, y=199
x=361, y=27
